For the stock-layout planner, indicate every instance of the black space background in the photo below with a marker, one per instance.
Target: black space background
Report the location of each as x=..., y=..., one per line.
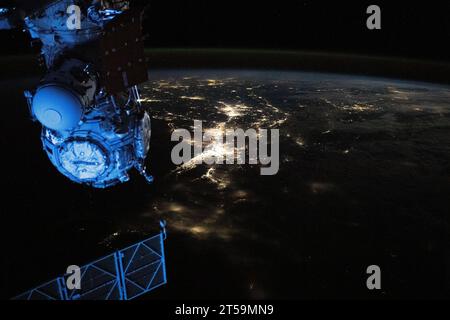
x=409, y=29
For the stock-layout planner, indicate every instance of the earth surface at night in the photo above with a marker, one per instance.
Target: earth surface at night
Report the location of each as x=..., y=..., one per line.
x=364, y=180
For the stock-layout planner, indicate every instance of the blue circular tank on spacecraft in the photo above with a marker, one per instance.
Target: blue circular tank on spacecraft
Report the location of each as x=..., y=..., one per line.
x=57, y=108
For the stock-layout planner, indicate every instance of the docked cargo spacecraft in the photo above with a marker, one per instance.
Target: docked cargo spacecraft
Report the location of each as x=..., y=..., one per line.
x=94, y=128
